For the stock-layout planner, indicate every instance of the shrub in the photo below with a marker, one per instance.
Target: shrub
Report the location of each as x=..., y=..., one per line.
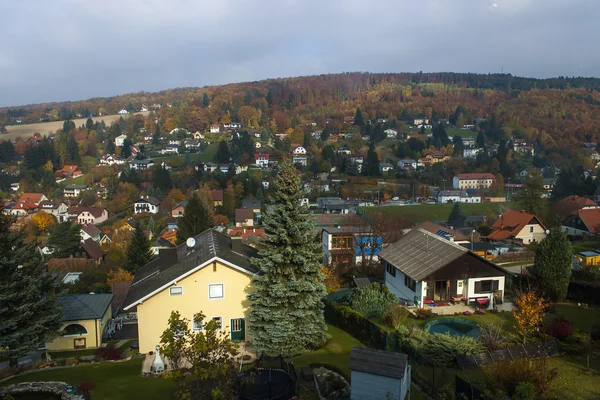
x=353, y=322
x=109, y=352
x=508, y=375
x=423, y=313
x=492, y=334
x=480, y=311
x=396, y=316
x=524, y=391
x=373, y=300
x=560, y=328
x=576, y=343
x=468, y=312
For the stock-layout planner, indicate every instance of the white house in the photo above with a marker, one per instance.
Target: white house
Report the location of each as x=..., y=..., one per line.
x=215, y=129
x=385, y=167
x=473, y=181
x=170, y=150
x=390, y=133
x=141, y=165
x=257, y=145
x=120, y=140
x=111, y=159
x=420, y=121
x=56, y=208
x=423, y=268
x=147, y=204
x=298, y=151
x=518, y=227
x=261, y=159
x=471, y=152
x=123, y=111
x=74, y=190
x=449, y=196
x=302, y=160
x=378, y=374
x=175, y=142
x=407, y=163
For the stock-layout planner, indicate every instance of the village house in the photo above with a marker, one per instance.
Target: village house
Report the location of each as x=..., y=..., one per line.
x=123, y=111
x=55, y=207
x=210, y=273
x=74, y=190
x=198, y=135
x=192, y=145
x=68, y=172
x=141, y=165
x=160, y=244
x=255, y=205
x=179, y=209
x=89, y=231
x=334, y=205
x=473, y=181
x=88, y=215
x=425, y=269
x=217, y=197
x=385, y=167
x=261, y=159
x=244, y=217
x=407, y=163
x=120, y=140
x=517, y=226
x=27, y=204
x=214, y=129
x=110, y=159
x=420, y=121
x=90, y=250
x=390, y=133
x=302, y=160
x=171, y=149
x=299, y=151
x=147, y=204
x=583, y=223
x=349, y=245
x=471, y=152
x=84, y=319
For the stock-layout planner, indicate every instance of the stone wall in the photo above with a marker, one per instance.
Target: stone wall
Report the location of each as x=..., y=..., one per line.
x=61, y=390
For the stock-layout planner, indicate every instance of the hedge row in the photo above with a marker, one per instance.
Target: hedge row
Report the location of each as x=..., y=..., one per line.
x=355, y=324
x=584, y=292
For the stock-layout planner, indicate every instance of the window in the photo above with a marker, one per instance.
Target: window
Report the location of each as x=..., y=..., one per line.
x=531, y=229
x=390, y=269
x=74, y=329
x=341, y=242
x=176, y=291
x=487, y=286
x=219, y=321
x=410, y=283
x=215, y=291
x=236, y=325
x=197, y=326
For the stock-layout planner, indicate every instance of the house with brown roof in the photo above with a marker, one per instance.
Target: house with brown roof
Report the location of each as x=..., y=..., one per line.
x=89, y=231
x=473, y=181
x=27, y=204
x=91, y=250
x=569, y=205
x=55, y=207
x=89, y=215
x=244, y=217
x=425, y=269
x=445, y=232
x=582, y=223
x=68, y=172
x=217, y=197
x=518, y=226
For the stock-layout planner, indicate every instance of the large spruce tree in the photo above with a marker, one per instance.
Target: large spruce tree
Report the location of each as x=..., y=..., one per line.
x=286, y=315
x=28, y=314
x=196, y=219
x=138, y=251
x=372, y=165
x=552, y=265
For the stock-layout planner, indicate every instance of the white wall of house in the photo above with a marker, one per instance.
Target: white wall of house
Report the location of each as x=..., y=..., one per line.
x=531, y=233
x=326, y=246
x=367, y=386
x=574, y=231
x=471, y=287
x=396, y=285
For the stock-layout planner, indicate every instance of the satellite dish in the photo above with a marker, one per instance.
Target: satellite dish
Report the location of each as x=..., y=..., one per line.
x=191, y=242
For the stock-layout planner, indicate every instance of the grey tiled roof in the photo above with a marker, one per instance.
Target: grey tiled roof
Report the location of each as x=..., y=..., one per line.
x=378, y=362
x=75, y=307
x=173, y=263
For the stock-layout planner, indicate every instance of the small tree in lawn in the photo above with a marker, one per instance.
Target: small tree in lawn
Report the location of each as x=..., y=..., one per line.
x=209, y=353
x=552, y=265
x=456, y=212
x=196, y=219
x=28, y=314
x=286, y=313
x=529, y=313
x=138, y=251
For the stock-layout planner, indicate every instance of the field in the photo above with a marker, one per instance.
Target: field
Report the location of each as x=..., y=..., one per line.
x=439, y=212
x=44, y=128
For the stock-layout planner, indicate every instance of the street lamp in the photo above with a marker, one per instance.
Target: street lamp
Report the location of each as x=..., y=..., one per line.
x=472, y=233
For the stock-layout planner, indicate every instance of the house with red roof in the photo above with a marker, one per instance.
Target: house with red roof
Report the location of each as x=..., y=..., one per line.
x=517, y=226
x=582, y=223
x=68, y=172
x=479, y=180
x=261, y=159
x=27, y=204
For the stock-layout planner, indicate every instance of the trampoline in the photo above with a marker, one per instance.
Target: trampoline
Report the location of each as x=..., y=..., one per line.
x=271, y=379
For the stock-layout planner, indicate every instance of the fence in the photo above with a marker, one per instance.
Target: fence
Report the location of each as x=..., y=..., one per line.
x=545, y=349
x=584, y=292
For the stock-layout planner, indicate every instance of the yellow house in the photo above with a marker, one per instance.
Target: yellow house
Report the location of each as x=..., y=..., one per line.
x=589, y=258
x=84, y=319
x=210, y=273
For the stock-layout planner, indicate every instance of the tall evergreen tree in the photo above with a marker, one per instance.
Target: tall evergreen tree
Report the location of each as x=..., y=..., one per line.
x=64, y=239
x=358, y=118
x=162, y=178
x=222, y=155
x=286, y=314
x=480, y=139
x=28, y=314
x=372, y=165
x=89, y=124
x=196, y=219
x=109, y=146
x=156, y=134
x=325, y=133
x=126, y=148
x=138, y=251
x=552, y=265
x=456, y=212
x=205, y=100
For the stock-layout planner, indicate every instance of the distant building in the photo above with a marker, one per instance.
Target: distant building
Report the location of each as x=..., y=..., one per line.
x=147, y=204
x=74, y=190
x=141, y=165
x=120, y=140
x=215, y=129
x=473, y=181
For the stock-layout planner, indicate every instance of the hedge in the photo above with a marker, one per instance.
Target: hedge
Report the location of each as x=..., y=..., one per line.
x=584, y=292
x=351, y=321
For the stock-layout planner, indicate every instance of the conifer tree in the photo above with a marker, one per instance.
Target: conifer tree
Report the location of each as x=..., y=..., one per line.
x=286, y=315
x=372, y=165
x=156, y=135
x=325, y=133
x=28, y=314
x=456, y=212
x=552, y=265
x=196, y=219
x=358, y=118
x=205, y=100
x=138, y=251
x=64, y=239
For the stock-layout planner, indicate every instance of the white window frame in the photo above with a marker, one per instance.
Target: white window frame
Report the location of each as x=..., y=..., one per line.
x=175, y=294
x=220, y=323
x=195, y=326
x=222, y=291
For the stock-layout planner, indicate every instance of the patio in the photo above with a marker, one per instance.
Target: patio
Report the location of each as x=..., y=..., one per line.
x=451, y=309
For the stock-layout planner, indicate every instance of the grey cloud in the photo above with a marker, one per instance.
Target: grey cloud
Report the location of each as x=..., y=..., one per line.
x=76, y=49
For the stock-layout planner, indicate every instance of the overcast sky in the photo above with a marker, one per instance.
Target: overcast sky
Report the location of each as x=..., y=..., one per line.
x=56, y=50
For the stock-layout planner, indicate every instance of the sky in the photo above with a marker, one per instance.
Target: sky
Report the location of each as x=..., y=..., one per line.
x=59, y=50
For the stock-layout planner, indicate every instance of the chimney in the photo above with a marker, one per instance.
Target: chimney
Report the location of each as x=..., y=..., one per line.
x=237, y=244
x=167, y=258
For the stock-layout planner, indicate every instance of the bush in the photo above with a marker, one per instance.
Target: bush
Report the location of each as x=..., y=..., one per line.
x=373, y=300
x=510, y=374
x=423, y=313
x=109, y=352
x=577, y=343
x=524, y=391
x=396, y=317
x=584, y=292
x=559, y=328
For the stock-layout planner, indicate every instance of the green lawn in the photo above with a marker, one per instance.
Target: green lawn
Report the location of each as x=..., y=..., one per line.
x=74, y=181
x=87, y=163
x=438, y=212
x=111, y=380
x=208, y=155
